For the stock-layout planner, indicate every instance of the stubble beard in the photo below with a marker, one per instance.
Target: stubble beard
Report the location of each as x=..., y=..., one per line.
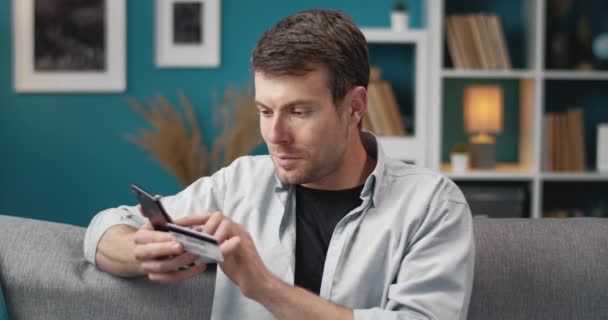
x=306, y=173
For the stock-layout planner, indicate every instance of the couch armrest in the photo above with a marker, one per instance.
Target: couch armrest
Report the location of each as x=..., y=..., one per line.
x=45, y=276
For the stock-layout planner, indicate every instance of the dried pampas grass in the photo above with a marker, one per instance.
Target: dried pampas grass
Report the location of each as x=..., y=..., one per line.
x=176, y=143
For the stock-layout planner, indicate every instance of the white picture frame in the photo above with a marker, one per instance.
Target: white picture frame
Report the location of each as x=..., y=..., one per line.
x=193, y=40
x=35, y=71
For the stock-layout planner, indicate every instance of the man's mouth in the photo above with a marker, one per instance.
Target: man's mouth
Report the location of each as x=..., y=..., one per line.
x=286, y=160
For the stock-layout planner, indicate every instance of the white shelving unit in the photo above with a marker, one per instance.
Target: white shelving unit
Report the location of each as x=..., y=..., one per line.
x=409, y=148
x=532, y=79
x=497, y=74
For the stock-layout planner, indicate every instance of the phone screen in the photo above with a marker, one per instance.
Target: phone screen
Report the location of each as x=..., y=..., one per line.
x=152, y=208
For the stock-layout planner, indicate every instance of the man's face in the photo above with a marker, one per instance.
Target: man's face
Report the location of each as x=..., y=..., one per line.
x=306, y=134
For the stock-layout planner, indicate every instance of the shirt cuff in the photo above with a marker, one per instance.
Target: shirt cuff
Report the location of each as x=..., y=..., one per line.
x=105, y=220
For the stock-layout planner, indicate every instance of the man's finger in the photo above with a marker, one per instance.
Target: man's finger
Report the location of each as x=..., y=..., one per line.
x=169, y=277
x=213, y=223
x=223, y=232
x=193, y=220
x=144, y=236
x=168, y=265
x=157, y=250
x=230, y=245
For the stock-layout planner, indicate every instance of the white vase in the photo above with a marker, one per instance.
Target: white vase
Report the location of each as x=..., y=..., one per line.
x=460, y=162
x=602, y=147
x=400, y=20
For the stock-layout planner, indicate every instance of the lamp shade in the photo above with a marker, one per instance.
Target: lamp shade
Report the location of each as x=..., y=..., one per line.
x=483, y=106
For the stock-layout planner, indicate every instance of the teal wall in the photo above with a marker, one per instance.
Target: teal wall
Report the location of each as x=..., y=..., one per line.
x=64, y=157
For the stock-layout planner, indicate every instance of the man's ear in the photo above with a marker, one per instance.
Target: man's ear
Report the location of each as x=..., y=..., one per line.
x=358, y=104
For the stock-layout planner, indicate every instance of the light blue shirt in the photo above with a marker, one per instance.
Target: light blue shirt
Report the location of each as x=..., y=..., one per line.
x=406, y=252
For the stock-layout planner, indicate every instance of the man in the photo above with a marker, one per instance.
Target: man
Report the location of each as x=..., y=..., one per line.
x=326, y=226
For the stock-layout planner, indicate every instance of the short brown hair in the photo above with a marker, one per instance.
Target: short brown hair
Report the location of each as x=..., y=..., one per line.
x=303, y=41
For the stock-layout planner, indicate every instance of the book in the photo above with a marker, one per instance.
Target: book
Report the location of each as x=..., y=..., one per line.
x=479, y=44
x=453, y=46
x=374, y=111
x=580, y=133
x=463, y=33
x=552, y=141
x=496, y=25
x=476, y=41
x=392, y=109
x=577, y=156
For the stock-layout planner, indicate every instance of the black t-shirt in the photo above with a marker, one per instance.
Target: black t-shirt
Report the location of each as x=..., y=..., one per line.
x=317, y=213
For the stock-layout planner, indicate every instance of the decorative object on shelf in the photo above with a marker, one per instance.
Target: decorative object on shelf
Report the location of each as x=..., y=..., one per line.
x=483, y=114
x=584, y=52
x=600, y=50
x=602, y=147
x=400, y=18
x=69, y=48
x=559, y=52
x=176, y=143
x=188, y=33
x=459, y=157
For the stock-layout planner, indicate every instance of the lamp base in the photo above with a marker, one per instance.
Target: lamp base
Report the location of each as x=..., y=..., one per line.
x=483, y=155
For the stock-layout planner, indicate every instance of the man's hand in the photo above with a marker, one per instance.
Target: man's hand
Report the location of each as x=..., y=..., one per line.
x=242, y=263
x=161, y=257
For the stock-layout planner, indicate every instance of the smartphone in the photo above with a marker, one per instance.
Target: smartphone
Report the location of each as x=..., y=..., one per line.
x=202, y=244
x=152, y=208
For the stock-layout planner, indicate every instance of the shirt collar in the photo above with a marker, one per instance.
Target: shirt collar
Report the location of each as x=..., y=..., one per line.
x=373, y=183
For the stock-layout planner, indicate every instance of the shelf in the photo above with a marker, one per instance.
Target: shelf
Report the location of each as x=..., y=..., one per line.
x=464, y=73
x=575, y=75
x=385, y=35
x=575, y=176
x=503, y=171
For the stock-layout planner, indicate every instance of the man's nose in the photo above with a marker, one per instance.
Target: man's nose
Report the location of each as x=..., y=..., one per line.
x=279, y=130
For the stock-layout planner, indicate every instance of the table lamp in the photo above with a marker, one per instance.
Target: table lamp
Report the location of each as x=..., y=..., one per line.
x=482, y=118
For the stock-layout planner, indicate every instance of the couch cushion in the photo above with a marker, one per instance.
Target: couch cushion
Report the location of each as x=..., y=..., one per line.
x=540, y=269
x=45, y=276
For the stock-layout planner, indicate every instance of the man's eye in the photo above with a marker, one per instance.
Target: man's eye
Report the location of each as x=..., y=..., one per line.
x=299, y=113
x=265, y=112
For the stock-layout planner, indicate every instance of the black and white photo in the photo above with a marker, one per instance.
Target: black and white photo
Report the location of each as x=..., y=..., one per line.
x=187, y=23
x=69, y=45
x=69, y=35
x=188, y=33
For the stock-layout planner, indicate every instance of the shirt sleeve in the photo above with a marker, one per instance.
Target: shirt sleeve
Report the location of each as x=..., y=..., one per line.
x=435, y=277
x=204, y=195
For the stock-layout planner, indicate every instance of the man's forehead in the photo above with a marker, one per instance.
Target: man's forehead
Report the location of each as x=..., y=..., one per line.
x=277, y=91
x=304, y=73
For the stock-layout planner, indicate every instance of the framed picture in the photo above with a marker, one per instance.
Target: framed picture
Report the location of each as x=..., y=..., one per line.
x=188, y=33
x=69, y=46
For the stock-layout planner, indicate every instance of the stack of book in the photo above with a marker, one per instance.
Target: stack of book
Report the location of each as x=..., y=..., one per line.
x=566, y=141
x=476, y=41
x=383, y=117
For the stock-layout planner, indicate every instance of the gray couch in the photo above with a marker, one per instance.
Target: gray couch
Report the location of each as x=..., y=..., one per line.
x=525, y=269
